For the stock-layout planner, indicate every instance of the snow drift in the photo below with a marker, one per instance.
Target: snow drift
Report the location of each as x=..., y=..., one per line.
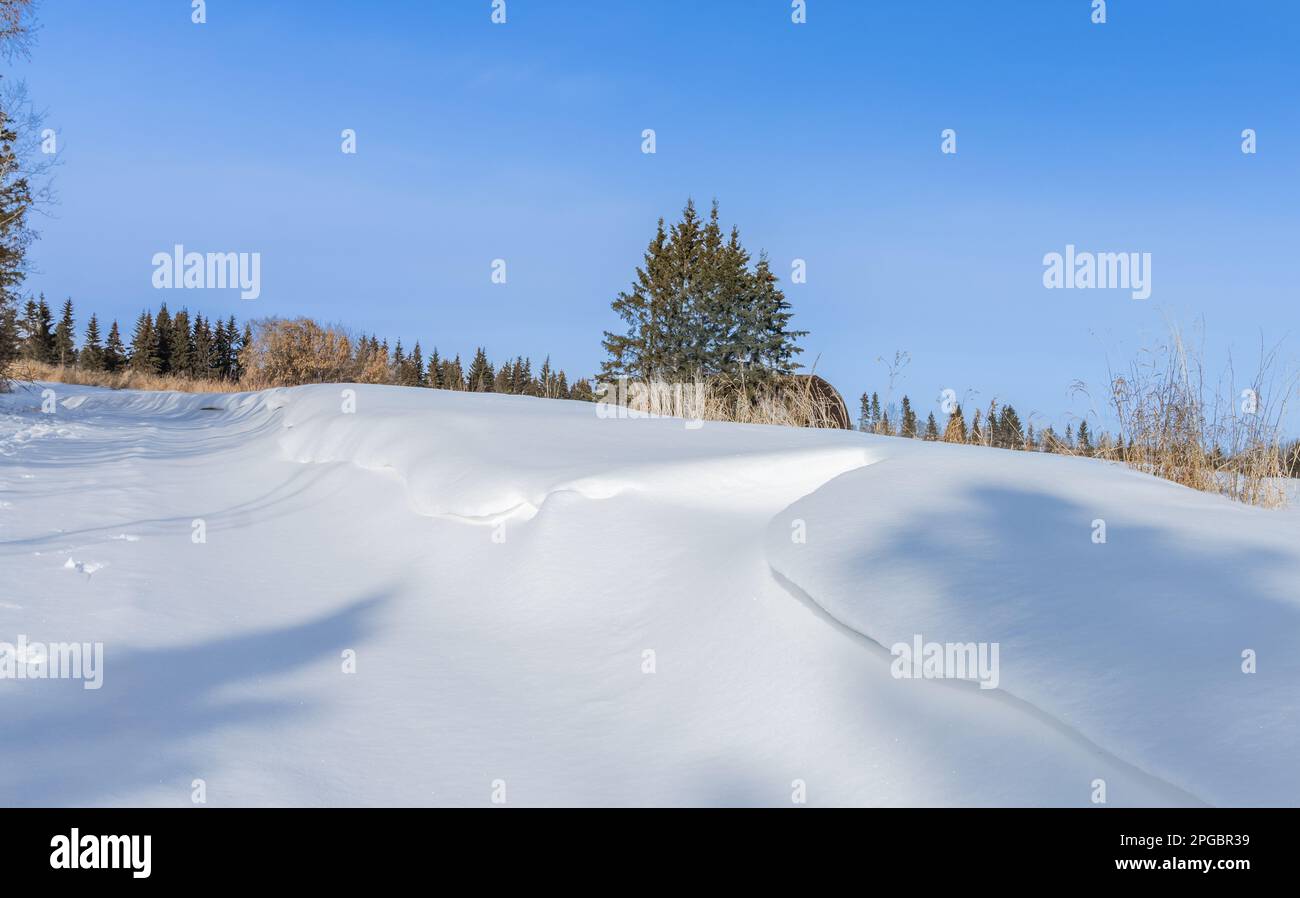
x=399, y=596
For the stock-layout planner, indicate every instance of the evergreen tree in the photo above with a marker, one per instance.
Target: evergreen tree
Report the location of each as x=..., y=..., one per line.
x=1085, y=438
x=144, y=346
x=909, y=419
x=162, y=335
x=416, y=362
x=182, y=344
x=875, y=412
x=977, y=429
x=696, y=309
x=434, y=377
x=65, y=337
x=38, y=331
x=114, y=351
x=931, y=429
x=480, y=376
x=222, y=351
x=1012, y=435
x=864, y=414
x=501, y=382
x=201, y=361
x=92, y=351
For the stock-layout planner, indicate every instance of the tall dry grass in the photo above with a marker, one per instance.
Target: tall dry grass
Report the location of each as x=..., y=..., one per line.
x=1175, y=424
x=784, y=401
x=27, y=371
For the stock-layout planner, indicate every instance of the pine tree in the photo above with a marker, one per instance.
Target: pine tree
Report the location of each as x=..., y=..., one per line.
x=864, y=414
x=182, y=344
x=875, y=412
x=434, y=377
x=38, y=331
x=977, y=429
x=65, y=337
x=1012, y=434
x=162, y=335
x=481, y=376
x=223, y=341
x=201, y=362
x=416, y=361
x=696, y=309
x=114, y=351
x=1085, y=438
x=909, y=419
x=92, y=351
x=931, y=429
x=144, y=346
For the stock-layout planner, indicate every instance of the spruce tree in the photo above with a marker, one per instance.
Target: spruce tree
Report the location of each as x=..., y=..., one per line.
x=201, y=363
x=114, y=351
x=162, y=335
x=417, y=376
x=1012, y=434
x=222, y=350
x=65, y=337
x=39, y=329
x=1085, y=438
x=909, y=419
x=182, y=344
x=144, y=346
x=481, y=376
x=931, y=429
x=434, y=376
x=92, y=350
x=696, y=309
x=977, y=429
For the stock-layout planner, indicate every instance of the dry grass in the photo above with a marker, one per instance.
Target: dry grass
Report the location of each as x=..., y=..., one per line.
x=784, y=401
x=1174, y=425
x=27, y=371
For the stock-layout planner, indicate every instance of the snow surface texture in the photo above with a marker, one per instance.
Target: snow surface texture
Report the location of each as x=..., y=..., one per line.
x=499, y=567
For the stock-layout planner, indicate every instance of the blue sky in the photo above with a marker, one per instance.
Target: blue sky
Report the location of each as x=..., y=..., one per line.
x=821, y=141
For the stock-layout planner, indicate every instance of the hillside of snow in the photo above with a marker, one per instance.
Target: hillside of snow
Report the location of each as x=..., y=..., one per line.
x=371, y=595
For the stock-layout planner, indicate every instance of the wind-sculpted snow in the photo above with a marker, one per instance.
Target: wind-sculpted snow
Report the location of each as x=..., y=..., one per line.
x=1136, y=642
x=373, y=595
x=488, y=458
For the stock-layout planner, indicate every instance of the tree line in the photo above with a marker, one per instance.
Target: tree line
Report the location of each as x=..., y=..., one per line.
x=997, y=426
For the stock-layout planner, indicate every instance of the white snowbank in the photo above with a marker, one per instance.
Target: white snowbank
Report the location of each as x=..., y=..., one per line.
x=504, y=573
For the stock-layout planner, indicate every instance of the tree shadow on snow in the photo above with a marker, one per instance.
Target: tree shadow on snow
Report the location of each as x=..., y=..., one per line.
x=146, y=725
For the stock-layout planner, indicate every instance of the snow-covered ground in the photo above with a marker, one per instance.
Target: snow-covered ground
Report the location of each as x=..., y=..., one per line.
x=504, y=573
